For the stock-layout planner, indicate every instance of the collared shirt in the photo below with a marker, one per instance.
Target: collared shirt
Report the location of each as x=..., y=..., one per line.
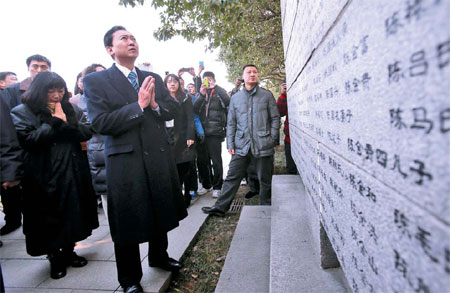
x=127, y=71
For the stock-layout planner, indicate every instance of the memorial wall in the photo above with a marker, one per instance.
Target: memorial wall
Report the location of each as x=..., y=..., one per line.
x=369, y=112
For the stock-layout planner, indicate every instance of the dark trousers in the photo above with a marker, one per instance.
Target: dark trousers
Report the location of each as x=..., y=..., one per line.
x=236, y=172
x=203, y=165
x=252, y=177
x=184, y=176
x=291, y=168
x=11, y=199
x=214, y=145
x=128, y=259
x=192, y=176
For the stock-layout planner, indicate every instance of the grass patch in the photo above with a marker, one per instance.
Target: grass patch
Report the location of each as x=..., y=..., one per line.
x=204, y=260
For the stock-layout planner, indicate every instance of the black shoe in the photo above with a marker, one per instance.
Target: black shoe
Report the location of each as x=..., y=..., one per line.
x=250, y=194
x=213, y=211
x=8, y=228
x=136, y=288
x=74, y=260
x=169, y=264
x=57, y=266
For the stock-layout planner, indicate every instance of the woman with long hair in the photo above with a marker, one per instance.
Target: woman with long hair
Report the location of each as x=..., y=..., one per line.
x=182, y=132
x=59, y=204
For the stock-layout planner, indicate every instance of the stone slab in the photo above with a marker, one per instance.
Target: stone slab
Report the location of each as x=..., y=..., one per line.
x=294, y=263
x=246, y=267
x=377, y=94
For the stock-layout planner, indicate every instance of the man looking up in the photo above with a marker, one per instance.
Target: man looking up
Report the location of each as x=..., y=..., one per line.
x=211, y=105
x=7, y=78
x=252, y=130
x=129, y=107
x=12, y=94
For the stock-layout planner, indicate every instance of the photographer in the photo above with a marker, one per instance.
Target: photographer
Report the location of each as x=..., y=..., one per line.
x=212, y=106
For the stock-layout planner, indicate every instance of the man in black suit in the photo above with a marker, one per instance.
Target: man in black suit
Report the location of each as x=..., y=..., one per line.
x=130, y=107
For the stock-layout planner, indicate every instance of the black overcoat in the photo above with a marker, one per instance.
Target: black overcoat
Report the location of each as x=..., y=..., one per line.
x=59, y=203
x=183, y=130
x=144, y=194
x=10, y=150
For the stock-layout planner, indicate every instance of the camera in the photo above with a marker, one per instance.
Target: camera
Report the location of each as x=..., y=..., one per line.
x=185, y=69
x=241, y=80
x=206, y=82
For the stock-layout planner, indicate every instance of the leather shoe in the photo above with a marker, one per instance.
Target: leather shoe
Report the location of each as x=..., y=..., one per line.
x=57, y=266
x=8, y=228
x=75, y=260
x=213, y=211
x=250, y=194
x=169, y=265
x=136, y=288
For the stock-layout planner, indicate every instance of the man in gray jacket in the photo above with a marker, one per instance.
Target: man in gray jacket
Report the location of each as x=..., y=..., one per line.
x=252, y=130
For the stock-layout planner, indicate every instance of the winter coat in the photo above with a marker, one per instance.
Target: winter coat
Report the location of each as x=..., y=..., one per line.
x=59, y=204
x=183, y=130
x=253, y=122
x=12, y=95
x=10, y=151
x=212, y=110
x=144, y=193
x=95, y=153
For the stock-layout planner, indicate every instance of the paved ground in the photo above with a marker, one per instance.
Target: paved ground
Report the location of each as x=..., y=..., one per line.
x=23, y=273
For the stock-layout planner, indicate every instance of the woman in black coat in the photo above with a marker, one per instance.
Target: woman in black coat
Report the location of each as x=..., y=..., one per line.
x=59, y=204
x=182, y=132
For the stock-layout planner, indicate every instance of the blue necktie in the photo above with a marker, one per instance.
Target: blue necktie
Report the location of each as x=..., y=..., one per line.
x=132, y=78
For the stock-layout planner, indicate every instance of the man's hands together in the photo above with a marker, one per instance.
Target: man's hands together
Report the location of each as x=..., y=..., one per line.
x=146, y=95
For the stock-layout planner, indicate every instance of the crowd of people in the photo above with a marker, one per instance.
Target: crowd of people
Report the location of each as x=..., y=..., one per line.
x=139, y=145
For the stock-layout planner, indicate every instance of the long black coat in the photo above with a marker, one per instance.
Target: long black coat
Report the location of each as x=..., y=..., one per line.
x=183, y=130
x=10, y=150
x=144, y=193
x=59, y=203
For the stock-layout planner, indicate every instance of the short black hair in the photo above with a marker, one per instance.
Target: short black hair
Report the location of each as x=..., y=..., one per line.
x=4, y=74
x=92, y=68
x=107, y=39
x=40, y=58
x=249, y=65
x=210, y=74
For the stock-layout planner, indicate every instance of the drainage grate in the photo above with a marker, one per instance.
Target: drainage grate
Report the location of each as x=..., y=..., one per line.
x=236, y=205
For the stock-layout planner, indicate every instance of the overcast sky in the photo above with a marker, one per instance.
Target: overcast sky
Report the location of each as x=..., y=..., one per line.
x=70, y=33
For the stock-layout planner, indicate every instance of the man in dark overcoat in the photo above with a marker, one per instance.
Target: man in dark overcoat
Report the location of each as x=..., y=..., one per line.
x=130, y=107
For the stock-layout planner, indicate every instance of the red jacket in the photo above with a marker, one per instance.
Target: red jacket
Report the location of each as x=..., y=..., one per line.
x=283, y=109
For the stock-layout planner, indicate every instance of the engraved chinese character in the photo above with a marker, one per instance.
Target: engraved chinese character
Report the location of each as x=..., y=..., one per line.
x=359, y=148
x=394, y=72
x=373, y=234
x=420, y=171
x=392, y=24
x=402, y=223
x=350, y=145
x=364, y=48
x=348, y=87
x=400, y=264
x=422, y=236
x=396, y=119
x=419, y=65
x=421, y=287
x=365, y=81
x=369, y=152
x=447, y=260
x=349, y=115
x=414, y=9
x=372, y=265
x=397, y=166
x=420, y=120
x=444, y=119
x=381, y=157
x=443, y=54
